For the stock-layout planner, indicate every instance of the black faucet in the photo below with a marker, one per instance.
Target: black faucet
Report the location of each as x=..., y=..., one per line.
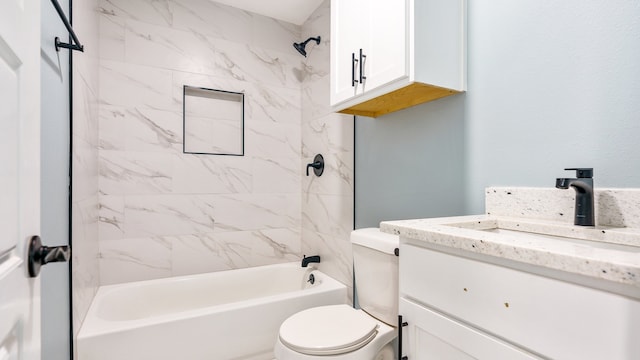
x=583, y=185
x=306, y=260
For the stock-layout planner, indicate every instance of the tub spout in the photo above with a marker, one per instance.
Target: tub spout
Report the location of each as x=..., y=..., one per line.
x=306, y=260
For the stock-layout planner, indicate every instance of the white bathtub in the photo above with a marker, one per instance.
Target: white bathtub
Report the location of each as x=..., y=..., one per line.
x=217, y=316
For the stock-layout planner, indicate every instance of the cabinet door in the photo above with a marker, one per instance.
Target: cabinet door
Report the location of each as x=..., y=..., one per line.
x=432, y=336
x=348, y=27
x=386, y=46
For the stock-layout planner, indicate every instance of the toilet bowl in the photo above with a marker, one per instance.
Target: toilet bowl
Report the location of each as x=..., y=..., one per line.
x=341, y=332
x=334, y=332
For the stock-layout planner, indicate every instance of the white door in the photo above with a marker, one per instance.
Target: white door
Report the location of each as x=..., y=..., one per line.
x=19, y=176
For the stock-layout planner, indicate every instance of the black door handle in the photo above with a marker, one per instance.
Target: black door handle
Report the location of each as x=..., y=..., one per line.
x=363, y=57
x=40, y=255
x=354, y=61
x=401, y=324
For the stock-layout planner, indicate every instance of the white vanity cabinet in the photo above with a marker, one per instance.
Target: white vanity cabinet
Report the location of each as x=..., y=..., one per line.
x=434, y=336
x=387, y=55
x=459, y=307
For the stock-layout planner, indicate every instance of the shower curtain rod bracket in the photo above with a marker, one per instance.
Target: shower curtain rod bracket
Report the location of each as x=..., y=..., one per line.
x=75, y=45
x=60, y=44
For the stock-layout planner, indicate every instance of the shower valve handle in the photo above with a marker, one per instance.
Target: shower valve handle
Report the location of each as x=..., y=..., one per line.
x=317, y=165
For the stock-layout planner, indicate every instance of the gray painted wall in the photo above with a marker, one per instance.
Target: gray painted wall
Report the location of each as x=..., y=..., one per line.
x=550, y=85
x=410, y=164
x=54, y=182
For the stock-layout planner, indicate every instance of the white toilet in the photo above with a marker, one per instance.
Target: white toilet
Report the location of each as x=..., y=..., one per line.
x=340, y=331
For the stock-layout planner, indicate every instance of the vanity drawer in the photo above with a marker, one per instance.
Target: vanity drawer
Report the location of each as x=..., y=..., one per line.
x=546, y=316
x=432, y=336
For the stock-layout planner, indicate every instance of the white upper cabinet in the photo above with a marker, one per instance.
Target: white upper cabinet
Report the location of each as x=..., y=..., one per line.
x=387, y=55
x=345, y=69
x=387, y=44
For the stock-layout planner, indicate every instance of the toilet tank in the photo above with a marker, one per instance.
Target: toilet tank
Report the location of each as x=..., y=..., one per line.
x=375, y=267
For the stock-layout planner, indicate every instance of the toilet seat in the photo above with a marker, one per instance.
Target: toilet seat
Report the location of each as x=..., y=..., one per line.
x=328, y=330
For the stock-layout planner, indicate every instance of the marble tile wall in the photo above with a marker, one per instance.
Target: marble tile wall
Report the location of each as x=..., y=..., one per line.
x=164, y=213
x=84, y=162
x=327, y=201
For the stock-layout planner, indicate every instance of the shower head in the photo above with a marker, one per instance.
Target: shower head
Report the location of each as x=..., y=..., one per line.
x=300, y=46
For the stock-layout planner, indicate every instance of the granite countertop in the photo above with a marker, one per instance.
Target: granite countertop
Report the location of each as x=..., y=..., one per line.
x=603, y=252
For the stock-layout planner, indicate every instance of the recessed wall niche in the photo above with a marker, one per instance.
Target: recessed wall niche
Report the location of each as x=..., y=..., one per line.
x=213, y=121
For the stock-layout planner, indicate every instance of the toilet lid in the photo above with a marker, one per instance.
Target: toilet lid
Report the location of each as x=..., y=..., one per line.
x=328, y=330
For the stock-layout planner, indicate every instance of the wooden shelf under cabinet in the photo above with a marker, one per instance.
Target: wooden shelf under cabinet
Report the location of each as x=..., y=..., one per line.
x=413, y=94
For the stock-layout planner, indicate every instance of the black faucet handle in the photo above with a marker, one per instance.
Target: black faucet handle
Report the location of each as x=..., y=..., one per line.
x=582, y=173
x=317, y=165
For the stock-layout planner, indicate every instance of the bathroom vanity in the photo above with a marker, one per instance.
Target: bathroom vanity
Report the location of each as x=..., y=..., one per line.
x=523, y=282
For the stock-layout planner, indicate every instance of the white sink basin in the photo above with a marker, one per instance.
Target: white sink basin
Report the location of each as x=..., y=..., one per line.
x=591, y=243
x=517, y=231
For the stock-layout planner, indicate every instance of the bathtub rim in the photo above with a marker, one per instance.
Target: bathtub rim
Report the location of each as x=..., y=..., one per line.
x=93, y=325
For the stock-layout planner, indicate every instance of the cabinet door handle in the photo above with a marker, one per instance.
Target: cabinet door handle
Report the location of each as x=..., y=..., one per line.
x=354, y=61
x=401, y=324
x=363, y=57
